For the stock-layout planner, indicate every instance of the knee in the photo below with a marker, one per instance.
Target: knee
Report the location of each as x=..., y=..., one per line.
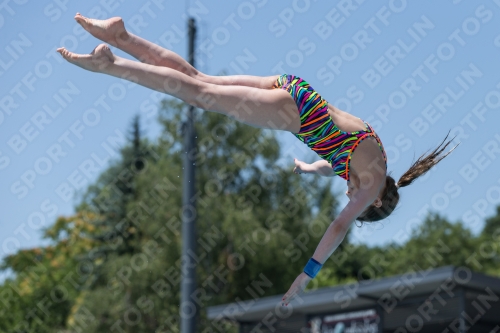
x=202, y=77
x=203, y=98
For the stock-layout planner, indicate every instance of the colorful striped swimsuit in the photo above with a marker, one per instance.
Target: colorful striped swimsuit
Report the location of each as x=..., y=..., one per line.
x=319, y=132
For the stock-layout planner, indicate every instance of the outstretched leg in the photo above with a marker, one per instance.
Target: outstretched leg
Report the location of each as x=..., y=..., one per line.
x=113, y=31
x=264, y=108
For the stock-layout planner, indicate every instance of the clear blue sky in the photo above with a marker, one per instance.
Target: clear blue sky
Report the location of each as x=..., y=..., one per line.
x=413, y=71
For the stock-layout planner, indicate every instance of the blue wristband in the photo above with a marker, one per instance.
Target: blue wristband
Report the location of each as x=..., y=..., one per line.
x=312, y=268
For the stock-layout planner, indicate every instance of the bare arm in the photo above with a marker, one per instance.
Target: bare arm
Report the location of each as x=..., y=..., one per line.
x=321, y=167
x=337, y=230
x=331, y=240
x=333, y=236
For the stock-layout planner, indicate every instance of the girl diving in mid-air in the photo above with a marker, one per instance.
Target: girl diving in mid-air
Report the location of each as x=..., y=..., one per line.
x=347, y=145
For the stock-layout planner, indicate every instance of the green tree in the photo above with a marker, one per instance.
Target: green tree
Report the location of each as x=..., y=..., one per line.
x=116, y=264
x=48, y=280
x=487, y=254
x=436, y=242
x=257, y=224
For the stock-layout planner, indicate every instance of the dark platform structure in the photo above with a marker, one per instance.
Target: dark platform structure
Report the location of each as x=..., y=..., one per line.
x=447, y=299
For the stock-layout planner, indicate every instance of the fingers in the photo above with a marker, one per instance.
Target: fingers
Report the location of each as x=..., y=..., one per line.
x=285, y=300
x=297, y=169
x=297, y=288
x=291, y=293
x=288, y=297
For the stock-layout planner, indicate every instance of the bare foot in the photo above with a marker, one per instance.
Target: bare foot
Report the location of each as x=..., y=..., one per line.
x=111, y=31
x=100, y=58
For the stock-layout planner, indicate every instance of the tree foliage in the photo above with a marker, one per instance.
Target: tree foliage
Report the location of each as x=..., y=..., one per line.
x=115, y=265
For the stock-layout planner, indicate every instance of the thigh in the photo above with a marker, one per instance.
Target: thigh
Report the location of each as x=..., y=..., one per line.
x=265, y=108
x=262, y=82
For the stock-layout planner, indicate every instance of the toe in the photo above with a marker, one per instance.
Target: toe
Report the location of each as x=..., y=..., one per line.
x=65, y=54
x=81, y=19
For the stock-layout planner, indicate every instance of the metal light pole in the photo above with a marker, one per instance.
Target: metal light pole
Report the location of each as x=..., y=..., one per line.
x=188, y=309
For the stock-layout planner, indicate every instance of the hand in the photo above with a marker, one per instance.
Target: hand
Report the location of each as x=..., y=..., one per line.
x=297, y=288
x=299, y=166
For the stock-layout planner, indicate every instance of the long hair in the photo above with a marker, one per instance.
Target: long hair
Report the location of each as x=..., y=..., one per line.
x=390, y=195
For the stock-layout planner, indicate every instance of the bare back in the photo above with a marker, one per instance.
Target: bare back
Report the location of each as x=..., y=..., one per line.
x=345, y=121
x=367, y=158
